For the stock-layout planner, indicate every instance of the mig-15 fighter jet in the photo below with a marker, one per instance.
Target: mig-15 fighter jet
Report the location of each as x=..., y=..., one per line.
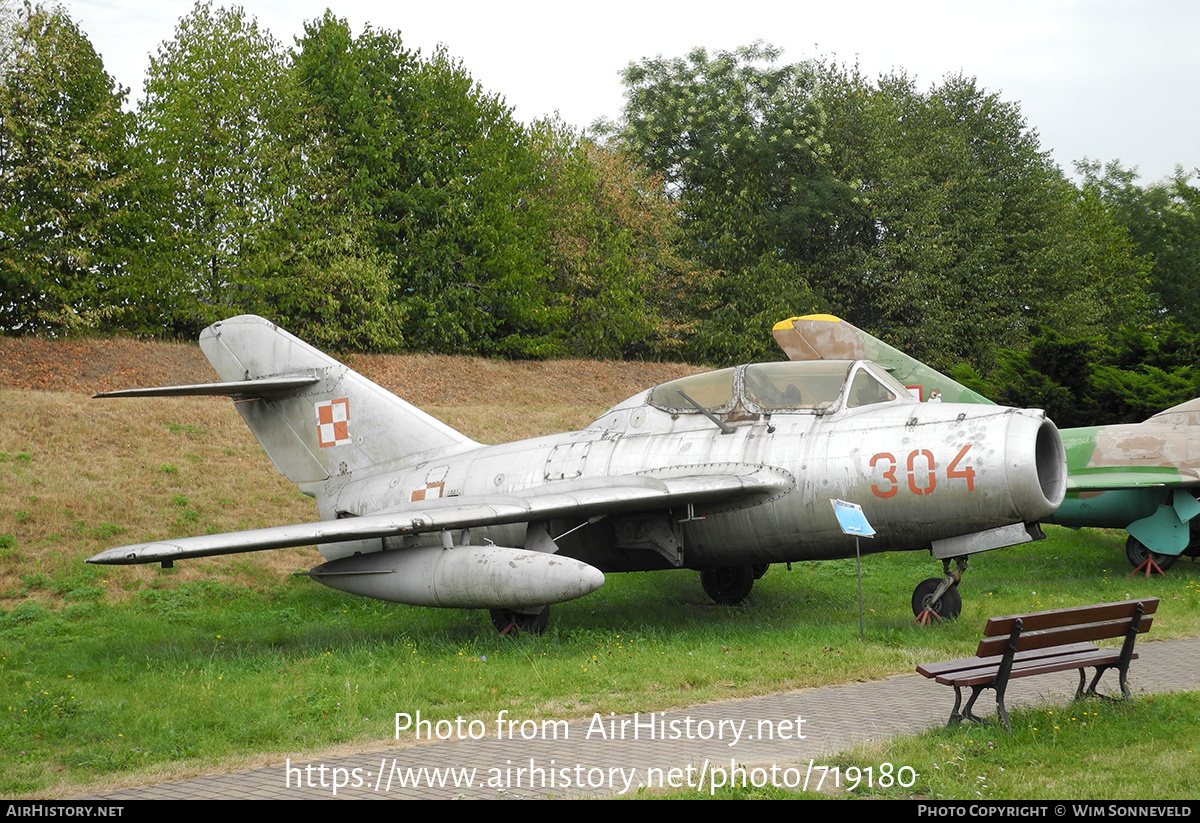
x=724, y=472
x=1140, y=477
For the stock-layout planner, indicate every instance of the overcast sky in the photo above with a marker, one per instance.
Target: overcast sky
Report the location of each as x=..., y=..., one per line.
x=1096, y=78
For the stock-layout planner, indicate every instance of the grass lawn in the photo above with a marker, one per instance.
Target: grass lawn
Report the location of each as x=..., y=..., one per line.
x=178, y=675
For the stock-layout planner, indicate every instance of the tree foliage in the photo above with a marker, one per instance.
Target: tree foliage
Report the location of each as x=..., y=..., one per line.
x=610, y=243
x=741, y=144
x=967, y=235
x=65, y=178
x=1163, y=222
x=1125, y=377
x=219, y=120
x=368, y=196
x=443, y=171
x=247, y=194
x=931, y=217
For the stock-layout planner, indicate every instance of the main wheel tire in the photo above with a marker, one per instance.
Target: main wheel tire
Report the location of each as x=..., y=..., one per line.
x=728, y=585
x=1137, y=553
x=512, y=622
x=948, y=608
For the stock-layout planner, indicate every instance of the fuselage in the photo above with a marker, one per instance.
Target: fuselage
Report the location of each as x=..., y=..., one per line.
x=921, y=472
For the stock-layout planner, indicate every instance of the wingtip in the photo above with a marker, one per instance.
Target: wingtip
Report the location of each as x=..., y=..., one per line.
x=120, y=556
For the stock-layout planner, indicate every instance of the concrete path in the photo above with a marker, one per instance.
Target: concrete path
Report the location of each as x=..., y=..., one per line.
x=609, y=755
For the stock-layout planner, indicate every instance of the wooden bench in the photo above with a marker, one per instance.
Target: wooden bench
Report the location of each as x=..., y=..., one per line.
x=1022, y=645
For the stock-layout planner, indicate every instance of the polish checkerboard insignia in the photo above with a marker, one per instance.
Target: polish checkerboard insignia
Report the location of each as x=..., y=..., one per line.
x=333, y=422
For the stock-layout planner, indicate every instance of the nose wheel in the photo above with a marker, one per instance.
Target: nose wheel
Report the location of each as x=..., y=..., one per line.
x=938, y=597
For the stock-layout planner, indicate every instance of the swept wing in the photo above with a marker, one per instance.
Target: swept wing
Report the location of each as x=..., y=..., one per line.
x=611, y=496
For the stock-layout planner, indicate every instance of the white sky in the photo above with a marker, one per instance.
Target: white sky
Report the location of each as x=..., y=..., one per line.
x=1102, y=79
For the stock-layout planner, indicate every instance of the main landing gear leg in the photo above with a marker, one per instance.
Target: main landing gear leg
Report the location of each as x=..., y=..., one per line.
x=512, y=623
x=939, y=597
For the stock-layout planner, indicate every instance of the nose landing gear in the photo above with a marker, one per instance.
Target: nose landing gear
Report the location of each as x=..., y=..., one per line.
x=938, y=597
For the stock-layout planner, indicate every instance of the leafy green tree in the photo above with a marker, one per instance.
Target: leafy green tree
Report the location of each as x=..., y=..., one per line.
x=1163, y=221
x=321, y=278
x=741, y=144
x=1124, y=377
x=443, y=173
x=221, y=122
x=65, y=178
x=932, y=218
x=610, y=246
x=976, y=237
x=8, y=38
x=740, y=141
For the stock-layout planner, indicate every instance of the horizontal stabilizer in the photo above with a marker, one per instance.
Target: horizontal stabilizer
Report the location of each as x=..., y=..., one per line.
x=237, y=389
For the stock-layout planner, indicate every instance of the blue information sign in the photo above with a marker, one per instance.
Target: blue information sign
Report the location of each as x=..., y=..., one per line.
x=851, y=518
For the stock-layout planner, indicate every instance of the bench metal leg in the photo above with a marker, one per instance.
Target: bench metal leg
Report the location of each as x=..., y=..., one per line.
x=1122, y=677
x=957, y=716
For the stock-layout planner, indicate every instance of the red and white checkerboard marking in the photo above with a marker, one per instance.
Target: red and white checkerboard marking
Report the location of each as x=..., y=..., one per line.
x=333, y=422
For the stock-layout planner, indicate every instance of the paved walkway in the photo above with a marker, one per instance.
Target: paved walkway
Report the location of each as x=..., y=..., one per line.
x=707, y=740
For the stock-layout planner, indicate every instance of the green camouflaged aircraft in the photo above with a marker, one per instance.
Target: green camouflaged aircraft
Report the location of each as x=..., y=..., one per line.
x=1140, y=477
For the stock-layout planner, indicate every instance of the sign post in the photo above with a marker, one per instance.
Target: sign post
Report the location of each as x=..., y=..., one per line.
x=851, y=519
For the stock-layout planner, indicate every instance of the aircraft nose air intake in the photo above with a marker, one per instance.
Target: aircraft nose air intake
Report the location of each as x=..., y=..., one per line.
x=1037, y=464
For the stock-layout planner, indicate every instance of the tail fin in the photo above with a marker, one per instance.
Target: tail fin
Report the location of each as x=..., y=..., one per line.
x=825, y=337
x=314, y=417
x=341, y=423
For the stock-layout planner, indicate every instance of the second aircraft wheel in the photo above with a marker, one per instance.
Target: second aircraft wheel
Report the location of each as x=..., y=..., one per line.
x=728, y=585
x=511, y=622
x=1137, y=553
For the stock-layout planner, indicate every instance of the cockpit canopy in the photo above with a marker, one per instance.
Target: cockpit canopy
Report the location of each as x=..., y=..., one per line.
x=814, y=386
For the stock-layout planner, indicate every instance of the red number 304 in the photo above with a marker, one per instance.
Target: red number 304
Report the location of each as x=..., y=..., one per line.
x=920, y=466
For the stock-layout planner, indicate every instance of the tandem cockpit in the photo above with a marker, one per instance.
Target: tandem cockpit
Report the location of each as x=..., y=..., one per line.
x=760, y=390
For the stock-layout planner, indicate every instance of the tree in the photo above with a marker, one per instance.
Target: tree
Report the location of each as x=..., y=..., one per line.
x=66, y=178
x=8, y=35
x=973, y=237
x=931, y=218
x=1125, y=377
x=741, y=145
x=443, y=173
x=321, y=278
x=221, y=121
x=1163, y=222
x=610, y=246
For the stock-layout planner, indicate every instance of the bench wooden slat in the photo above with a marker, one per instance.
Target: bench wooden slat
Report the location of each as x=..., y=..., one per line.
x=1023, y=645
x=1072, y=616
x=1067, y=634
x=1045, y=665
x=964, y=663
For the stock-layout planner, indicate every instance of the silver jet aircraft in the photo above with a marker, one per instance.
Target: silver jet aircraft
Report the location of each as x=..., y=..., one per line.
x=724, y=472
